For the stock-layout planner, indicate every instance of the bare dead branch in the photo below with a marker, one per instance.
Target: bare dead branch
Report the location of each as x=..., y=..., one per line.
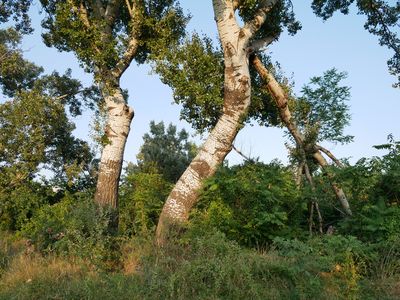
x=241, y=153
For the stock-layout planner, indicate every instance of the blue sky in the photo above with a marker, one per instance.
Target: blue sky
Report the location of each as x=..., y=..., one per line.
x=340, y=42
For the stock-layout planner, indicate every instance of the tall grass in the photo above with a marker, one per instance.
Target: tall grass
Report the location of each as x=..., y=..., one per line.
x=205, y=266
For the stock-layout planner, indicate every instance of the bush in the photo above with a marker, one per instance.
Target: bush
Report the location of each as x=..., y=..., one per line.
x=251, y=203
x=211, y=267
x=75, y=226
x=142, y=198
x=17, y=205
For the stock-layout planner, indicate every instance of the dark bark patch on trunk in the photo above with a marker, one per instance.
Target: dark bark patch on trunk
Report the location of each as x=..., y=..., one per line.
x=235, y=99
x=129, y=112
x=202, y=168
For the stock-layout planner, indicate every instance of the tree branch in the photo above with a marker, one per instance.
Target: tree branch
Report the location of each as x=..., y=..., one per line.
x=280, y=98
x=259, y=19
x=241, y=153
x=130, y=8
x=59, y=98
x=133, y=43
x=81, y=11
x=330, y=155
x=299, y=173
x=127, y=57
x=257, y=45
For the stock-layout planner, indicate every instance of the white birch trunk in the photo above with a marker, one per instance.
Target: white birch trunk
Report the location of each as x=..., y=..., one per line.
x=237, y=90
x=119, y=118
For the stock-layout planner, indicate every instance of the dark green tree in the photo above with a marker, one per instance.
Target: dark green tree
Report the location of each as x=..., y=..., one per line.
x=166, y=150
x=163, y=157
x=36, y=138
x=322, y=111
x=251, y=203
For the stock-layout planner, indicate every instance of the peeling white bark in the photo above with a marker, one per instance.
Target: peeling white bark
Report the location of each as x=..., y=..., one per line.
x=119, y=117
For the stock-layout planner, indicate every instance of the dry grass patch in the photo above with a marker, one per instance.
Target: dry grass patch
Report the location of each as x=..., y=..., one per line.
x=25, y=269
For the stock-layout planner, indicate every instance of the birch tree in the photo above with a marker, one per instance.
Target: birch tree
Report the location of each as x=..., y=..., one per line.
x=106, y=36
x=263, y=22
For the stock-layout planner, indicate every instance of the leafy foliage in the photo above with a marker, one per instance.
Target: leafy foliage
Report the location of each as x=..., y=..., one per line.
x=378, y=199
x=162, y=159
x=166, y=150
x=74, y=226
x=19, y=202
x=142, y=198
x=194, y=70
x=281, y=16
x=251, y=203
x=99, y=33
x=322, y=112
x=35, y=133
x=16, y=73
x=17, y=11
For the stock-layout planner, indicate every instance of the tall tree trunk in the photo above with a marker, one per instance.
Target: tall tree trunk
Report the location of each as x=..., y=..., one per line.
x=237, y=90
x=212, y=153
x=119, y=118
x=281, y=102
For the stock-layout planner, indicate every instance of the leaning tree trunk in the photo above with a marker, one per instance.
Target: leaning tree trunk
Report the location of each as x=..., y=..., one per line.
x=281, y=102
x=214, y=150
x=237, y=90
x=119, y=118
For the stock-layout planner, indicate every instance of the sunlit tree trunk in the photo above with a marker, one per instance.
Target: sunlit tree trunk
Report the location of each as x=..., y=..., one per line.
x=119, y=118
x=237, y=90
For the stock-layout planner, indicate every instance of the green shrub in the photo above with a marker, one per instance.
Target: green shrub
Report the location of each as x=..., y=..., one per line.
x=75, y=226
x=211, y=267
x=251, y=203
x=374, y=223
x=142, y=198
x=17, y=205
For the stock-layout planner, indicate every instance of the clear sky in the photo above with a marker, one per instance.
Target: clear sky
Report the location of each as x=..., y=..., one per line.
x=340, y=42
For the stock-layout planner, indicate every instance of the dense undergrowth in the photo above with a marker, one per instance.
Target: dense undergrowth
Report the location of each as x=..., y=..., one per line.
x=208, y=267
x=248, y=238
